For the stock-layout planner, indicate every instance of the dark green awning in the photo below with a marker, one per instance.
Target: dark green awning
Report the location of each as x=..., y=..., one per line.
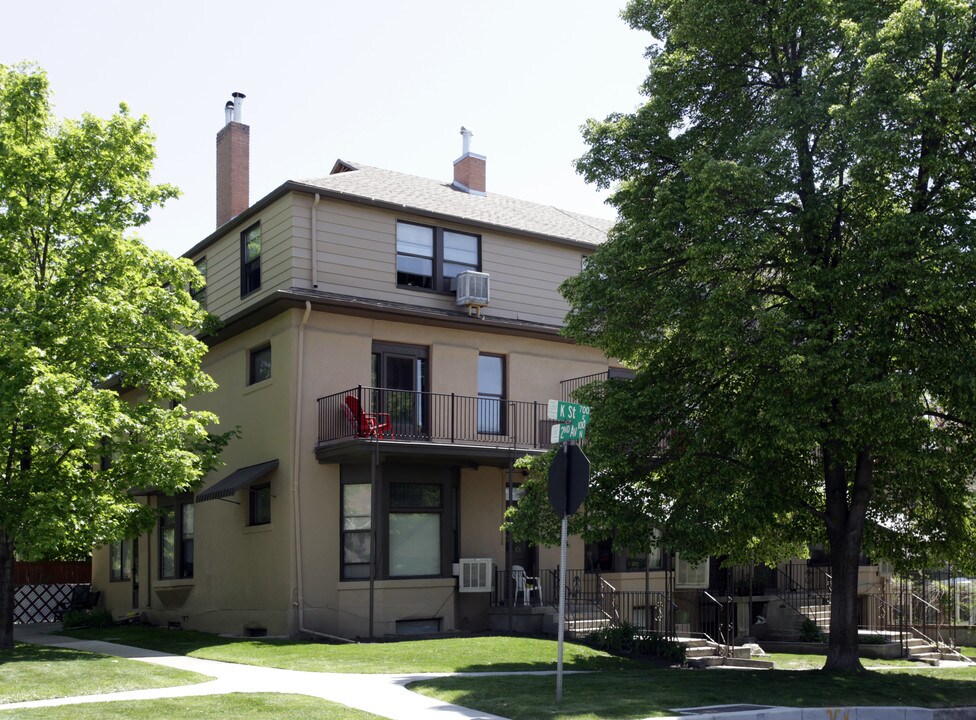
x=236, y=480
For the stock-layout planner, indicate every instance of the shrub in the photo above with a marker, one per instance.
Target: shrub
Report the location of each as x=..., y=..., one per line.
x=625, y=638
x=810, y=632
x=88, y=618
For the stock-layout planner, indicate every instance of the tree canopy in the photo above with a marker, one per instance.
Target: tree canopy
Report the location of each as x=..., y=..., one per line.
x=97, y=349
x=792, y=277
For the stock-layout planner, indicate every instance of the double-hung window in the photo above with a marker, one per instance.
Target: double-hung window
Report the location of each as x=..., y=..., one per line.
x=251, y=259
x=356, y=531
x=176, y=538
x=120, y=559
x=430, y=257
x=491, y=392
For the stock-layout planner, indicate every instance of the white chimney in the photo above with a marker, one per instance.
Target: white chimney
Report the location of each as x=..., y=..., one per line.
x=238, y=105
x=228, y=112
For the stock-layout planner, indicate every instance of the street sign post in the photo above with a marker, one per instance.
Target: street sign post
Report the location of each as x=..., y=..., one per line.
x=569, y=483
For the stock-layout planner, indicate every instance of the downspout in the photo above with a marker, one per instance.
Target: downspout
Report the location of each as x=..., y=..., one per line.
x=296, y=486
x=315, y=243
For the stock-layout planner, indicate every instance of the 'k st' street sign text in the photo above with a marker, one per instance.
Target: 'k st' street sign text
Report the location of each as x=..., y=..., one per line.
x=573, y=419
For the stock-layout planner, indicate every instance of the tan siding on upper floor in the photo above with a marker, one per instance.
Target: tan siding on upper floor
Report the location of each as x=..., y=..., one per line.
x=355, y=255
x=224, y=261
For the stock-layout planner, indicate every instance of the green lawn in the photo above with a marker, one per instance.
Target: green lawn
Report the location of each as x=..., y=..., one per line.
x=34, y=672
x=617, y=689
x=256, y=706
x=471, y=654
x=641, y=692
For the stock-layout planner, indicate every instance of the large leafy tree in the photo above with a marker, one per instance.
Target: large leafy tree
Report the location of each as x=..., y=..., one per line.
x=93, y=343
x=793, y=278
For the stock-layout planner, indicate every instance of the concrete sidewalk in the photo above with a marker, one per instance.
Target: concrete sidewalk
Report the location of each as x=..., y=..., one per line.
x=383, y=695
x=387, y=695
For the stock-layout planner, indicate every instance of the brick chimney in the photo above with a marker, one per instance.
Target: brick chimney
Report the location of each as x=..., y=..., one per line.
x=233, y=162
x=469, y=169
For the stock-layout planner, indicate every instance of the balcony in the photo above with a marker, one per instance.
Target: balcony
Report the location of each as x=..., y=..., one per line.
x=483, y=431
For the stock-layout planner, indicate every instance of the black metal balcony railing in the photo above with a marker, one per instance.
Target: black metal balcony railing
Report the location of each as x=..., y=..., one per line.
x=411, y=416
x=569, y=387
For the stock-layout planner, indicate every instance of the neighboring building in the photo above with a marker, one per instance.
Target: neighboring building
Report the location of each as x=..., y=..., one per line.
x=381, y=391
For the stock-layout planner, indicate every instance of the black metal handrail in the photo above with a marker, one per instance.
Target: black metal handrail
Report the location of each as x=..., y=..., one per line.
x=723, y=622
x=413, y=416
x=801, y=586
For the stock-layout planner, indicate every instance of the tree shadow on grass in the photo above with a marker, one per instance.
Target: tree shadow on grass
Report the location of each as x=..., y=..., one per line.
x=24, y=652
x=640, y=693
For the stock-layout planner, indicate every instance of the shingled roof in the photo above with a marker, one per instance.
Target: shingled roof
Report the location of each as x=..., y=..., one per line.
x=377, y=185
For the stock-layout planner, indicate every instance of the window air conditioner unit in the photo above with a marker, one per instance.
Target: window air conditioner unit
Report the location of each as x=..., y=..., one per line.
x=474, y=575
x=472, y=290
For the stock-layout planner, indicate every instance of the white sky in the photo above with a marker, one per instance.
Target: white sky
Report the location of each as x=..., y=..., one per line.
x=383, y=83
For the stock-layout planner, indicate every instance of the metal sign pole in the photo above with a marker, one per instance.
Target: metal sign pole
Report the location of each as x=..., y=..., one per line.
x=562, y=610
x=569, y=483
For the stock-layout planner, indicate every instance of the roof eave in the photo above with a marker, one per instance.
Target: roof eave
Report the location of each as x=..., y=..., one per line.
x=295, y=186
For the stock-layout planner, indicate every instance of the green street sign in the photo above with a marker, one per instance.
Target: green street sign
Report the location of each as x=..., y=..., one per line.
x=568, y=412
x=562, y=433
x=574, y=418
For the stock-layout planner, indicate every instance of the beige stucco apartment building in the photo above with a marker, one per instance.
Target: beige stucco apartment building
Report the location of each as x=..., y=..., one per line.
x=388, y=347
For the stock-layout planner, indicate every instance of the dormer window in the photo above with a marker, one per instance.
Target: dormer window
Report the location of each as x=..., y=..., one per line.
x=429, y=258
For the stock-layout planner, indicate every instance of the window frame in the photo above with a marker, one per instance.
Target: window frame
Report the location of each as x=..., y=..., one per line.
x=364, y=531
x=497, y=398
x=379, y=531
x=250, y=266
x=415, y=510
x=439, y=282
x=121, y=551
x=259, y=504
x=252, y=364
x=200, y=294
x=173, y=513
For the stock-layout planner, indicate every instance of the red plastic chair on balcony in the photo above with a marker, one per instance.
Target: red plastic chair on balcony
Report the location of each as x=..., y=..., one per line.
x=368, y=425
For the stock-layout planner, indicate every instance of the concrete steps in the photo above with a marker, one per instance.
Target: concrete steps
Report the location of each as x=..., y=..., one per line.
x=701, y=653
x=921, y=650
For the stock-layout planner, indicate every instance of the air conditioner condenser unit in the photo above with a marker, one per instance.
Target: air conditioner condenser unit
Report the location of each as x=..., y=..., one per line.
x=472, y=290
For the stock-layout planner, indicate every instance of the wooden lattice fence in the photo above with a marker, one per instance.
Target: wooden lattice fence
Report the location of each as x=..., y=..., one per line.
x=41, y=587
x=37, y=603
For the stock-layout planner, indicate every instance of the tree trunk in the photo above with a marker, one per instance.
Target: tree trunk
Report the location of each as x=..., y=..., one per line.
x=846, y=510
x=842, y=654
x=6, y=592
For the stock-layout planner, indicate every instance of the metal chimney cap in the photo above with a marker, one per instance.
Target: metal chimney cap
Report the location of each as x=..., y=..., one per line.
x=465, y=141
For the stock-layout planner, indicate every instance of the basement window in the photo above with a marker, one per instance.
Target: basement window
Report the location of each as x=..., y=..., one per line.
x=428, y=626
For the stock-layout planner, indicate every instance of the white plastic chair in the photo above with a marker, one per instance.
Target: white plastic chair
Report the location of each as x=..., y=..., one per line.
x=525, y=584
